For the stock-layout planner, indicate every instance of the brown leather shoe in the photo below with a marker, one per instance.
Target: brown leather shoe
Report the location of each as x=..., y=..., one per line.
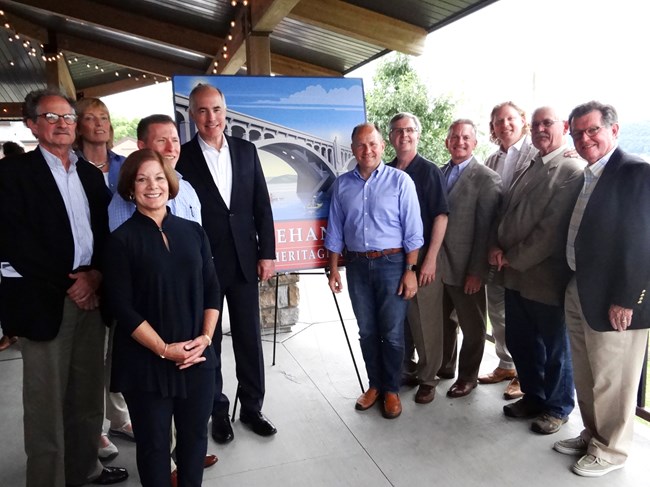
x=6, y=342
x=461, y=388
x=425, y=394
x=210, y=460
x=513, y=390
x=367, y=399
x=497, y=375
x=392, y=405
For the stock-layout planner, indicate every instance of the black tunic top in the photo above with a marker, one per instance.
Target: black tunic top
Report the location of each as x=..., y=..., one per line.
x=168, y=288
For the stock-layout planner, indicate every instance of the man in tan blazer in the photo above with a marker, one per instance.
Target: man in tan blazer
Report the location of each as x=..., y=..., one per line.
x=474, y=192
x=508, y=129
x=531, y=234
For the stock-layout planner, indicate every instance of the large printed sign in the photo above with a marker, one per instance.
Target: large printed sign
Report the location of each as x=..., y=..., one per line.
x=301, y=128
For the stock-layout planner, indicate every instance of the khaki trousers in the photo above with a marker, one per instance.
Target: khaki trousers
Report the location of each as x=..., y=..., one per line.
x=606, y=369
x=63, y=392
x=425, y=318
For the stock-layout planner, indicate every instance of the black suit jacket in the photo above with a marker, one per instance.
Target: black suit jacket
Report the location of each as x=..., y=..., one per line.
x=613, y=244
x=36, y=238
x=244, y=232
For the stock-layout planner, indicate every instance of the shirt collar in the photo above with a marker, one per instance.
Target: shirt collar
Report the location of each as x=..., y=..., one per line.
x=597, y=168
x=381, y=168
x=53, y=162
x=560, y=150
x=207, y=147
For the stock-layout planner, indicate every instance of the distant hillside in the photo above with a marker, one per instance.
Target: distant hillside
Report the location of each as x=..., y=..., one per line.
x=284, y=179
x=635, y=137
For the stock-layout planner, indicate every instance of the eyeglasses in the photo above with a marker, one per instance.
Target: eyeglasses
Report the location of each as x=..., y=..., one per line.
x=52, y=118
x=591, y=132
x=547, y=123
x=405, y=130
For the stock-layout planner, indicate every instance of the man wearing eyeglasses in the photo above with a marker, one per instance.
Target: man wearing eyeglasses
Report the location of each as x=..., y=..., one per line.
x=530, y=249
x=53, y=209
x=606, y=310
x=425, y=310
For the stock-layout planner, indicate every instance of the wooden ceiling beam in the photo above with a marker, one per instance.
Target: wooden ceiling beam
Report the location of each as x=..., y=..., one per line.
x=11, y=111
x=287, y=66
x=124, y=21
x=362, y=24
x=114, y=87
x=123, y=57
x=265, y=15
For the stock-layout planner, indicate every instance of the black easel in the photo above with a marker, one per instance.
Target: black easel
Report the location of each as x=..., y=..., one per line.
x=275, y=330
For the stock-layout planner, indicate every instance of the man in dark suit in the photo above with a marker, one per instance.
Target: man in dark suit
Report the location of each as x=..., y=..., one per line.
x=530, y=249
x=474, y=193
x=426, y=306
x=236, y=212
x=53, y=212
x=606, y=309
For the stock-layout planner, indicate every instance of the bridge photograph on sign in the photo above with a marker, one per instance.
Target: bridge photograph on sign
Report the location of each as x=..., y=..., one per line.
x=301, y=128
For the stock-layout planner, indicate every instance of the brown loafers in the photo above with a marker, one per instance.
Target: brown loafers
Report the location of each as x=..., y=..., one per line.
x=513, y=390
x=497, y=375
x=461, y=388
x=425, y=394
x=392, y=405
x=367, y=399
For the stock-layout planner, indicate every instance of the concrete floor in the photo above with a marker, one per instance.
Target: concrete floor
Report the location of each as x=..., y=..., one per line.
x=323, y=441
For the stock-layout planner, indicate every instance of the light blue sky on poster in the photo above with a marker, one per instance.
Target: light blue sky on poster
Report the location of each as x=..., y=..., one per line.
x=324, y=107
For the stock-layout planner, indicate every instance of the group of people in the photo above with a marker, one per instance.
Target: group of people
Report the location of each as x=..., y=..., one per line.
x=119, y=267
x=548, y=241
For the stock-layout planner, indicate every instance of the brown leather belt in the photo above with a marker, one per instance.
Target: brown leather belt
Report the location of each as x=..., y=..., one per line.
x=374, y=254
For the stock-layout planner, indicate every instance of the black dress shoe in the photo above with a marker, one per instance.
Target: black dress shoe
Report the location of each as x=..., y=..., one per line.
x=111, y=475
x=258, y=423
x=222, y=430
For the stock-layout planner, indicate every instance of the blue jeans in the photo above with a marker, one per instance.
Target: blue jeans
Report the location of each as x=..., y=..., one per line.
x=380, y=314
x=537, y=338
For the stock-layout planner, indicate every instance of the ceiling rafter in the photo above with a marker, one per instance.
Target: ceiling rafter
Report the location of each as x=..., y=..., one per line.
x=124, y=21
x=123, y=57
x=375, y=28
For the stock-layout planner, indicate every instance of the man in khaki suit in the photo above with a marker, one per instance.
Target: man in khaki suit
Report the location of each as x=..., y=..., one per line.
x=508, y=129
x=531, y=234
x=474, y=193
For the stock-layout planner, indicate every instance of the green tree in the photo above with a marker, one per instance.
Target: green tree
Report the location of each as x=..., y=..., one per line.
x=398, y=88
x=123, y=127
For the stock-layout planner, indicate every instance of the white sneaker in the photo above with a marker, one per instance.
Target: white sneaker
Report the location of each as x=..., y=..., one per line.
x=107, y=450
x=571, y=446
x=591, y=466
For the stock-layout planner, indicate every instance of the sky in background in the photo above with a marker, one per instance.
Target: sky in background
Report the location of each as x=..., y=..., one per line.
x=557, y=52
x=318, y=106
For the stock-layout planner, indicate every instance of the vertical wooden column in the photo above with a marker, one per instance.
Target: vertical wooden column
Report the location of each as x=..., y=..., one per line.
x=258, y=53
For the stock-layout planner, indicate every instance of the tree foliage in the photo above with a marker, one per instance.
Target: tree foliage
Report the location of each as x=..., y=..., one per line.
x=398, y=88
x=124, y=127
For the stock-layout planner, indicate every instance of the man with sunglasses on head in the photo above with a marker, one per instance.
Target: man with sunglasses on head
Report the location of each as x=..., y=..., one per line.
x=606, y=310
x=424, y=315
x=53, y=209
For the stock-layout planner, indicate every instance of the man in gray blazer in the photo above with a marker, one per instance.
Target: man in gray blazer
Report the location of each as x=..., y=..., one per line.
x=474, y=192
x=530, y=249
x=508, y=129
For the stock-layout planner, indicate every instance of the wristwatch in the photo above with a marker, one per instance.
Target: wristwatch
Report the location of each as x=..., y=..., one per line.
x=411, y=267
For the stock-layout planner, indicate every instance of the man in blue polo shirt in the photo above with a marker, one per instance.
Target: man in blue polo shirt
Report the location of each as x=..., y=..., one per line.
x=375, y=217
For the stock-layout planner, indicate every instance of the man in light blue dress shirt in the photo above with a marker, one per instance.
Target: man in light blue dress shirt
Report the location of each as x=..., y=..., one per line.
x=159, y=133
x=375, y=217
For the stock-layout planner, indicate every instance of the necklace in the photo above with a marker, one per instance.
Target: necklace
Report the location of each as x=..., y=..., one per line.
x=98, y=166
